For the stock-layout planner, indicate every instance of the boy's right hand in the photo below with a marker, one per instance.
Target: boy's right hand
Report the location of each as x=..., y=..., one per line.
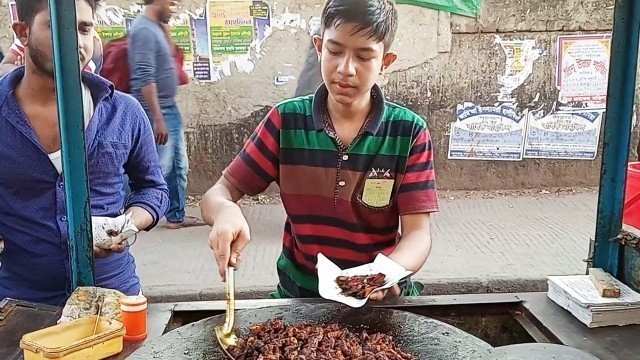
x=228, y=237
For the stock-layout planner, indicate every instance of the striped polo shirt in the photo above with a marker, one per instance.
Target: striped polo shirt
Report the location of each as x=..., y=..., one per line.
x=343, y=202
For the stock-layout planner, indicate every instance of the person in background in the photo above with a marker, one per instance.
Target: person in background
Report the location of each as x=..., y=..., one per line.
x=154, y=83
x=15, y=56
x=33, y=219
x=351, y=166
x=310, y=77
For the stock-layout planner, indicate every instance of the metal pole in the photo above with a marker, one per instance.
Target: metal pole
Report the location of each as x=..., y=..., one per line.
x=71, y=118
x=617, y=132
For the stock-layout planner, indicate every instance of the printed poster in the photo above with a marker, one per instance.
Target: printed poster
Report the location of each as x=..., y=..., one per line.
x=261, y=13
x=111, y=32
x=487, y=133
x=201, y=57
x=583, y=69
x=520, y=56
x=13, y=11
x=231, y=28
x=563, y=135
x=181, y=34
x=13, y=14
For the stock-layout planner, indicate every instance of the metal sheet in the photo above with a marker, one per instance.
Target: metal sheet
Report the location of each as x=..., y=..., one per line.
x=423, y=337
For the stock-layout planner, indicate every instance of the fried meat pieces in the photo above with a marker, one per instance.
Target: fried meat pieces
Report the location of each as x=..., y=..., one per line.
x=360, y=286
x=274, y=340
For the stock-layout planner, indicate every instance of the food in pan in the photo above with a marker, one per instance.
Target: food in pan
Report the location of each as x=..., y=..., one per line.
x=360, y=286
x=274, y=340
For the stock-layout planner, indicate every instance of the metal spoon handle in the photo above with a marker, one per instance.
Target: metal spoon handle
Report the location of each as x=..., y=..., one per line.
x=230, y=287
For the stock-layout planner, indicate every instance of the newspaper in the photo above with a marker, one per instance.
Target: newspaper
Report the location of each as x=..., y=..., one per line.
x=582, y=291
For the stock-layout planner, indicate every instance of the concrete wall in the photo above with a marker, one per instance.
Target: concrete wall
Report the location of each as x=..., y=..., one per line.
x=444, y=60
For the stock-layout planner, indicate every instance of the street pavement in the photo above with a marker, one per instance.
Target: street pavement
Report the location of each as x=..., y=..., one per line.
x=497, y=244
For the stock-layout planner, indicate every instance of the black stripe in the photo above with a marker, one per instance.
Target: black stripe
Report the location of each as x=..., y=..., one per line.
x=257, y=169
x=342, y=224
x=423, y=166
x=418, y=186
x=295, y=121
x=337, y=243
x=398, y=127
x=272, y=129
x=388, y=128
x=329, y=159
x=265, y=151
x=420, y=148
x=343, y=264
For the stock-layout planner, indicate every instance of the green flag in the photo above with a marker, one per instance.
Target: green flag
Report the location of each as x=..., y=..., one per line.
x=469, y=8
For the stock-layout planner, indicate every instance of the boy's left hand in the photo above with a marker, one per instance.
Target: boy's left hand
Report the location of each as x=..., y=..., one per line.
x=381, y=294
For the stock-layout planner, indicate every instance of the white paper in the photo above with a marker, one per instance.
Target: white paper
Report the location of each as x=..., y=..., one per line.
x=581, y=290
x=328, y=272
x=122, y=224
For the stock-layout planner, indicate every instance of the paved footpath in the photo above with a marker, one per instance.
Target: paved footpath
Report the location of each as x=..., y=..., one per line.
x=501, y=244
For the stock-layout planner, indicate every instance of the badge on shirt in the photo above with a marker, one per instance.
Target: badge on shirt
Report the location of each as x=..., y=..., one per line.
x=378, y=187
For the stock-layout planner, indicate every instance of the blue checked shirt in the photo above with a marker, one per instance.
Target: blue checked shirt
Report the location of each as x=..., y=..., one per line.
x=34, y=265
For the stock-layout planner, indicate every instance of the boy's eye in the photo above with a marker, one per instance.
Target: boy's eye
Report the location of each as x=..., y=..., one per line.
x=333, y=52
x=364, y=58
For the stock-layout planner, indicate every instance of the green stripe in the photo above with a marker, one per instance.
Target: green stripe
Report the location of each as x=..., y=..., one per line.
x=302, y=139
x=377, y=145
x=367, y=145
x=394, y=112
x=300, y=105
x=303, y=280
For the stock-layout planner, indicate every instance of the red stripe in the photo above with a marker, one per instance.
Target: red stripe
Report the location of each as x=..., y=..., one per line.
x=338, y=233
x=418, y=202
x=241, y=176
x=413, y=177
x=348, y=211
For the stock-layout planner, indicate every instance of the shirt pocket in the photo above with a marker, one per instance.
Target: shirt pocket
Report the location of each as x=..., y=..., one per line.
x=110, y=157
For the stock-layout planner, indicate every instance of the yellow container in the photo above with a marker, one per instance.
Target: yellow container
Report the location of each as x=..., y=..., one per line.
x=75, y=340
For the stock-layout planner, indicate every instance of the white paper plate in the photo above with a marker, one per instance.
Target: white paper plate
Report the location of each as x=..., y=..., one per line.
x=328, y=272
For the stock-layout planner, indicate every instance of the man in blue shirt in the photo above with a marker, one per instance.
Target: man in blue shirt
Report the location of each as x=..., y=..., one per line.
x=33, y=223
x=154, y=82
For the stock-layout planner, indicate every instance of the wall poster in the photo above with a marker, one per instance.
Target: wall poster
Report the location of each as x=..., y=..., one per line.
x=487, y=133
x=563, y=134
x=583, y=69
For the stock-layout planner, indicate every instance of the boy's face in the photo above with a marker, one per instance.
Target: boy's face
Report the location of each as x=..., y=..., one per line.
x=38, y=44
x=350, y=62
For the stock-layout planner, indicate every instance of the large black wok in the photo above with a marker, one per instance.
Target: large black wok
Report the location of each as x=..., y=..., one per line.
x=425, y=338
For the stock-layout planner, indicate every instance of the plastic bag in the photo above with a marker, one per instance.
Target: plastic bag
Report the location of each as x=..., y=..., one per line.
x=110, y=231
x=86, y=301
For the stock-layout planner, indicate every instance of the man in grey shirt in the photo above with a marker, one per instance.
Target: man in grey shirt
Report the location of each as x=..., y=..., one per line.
x=154, y=83
x=310, y=77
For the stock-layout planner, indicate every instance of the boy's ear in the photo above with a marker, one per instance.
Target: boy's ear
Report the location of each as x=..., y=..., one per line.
x=388, y=59
x=317, y=43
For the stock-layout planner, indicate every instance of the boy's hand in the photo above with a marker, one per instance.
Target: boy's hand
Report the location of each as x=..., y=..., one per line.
x=381, y=294
x=228, y=237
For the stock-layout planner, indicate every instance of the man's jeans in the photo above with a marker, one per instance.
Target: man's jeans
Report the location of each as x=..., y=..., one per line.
x=175, y=165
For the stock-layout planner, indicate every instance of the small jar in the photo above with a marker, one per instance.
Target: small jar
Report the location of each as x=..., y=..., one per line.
x=134, y=317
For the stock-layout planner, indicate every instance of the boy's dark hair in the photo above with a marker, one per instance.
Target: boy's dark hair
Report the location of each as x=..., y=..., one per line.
x=377, y=19
x=28, y=9
x=149, y=2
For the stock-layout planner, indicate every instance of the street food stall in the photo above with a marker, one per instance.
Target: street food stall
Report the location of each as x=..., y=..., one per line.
x=478, y=326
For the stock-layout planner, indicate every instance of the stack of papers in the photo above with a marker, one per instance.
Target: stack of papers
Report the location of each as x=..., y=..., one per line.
x=578, y=295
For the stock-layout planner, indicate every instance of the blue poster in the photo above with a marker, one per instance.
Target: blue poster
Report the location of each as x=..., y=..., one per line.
x=563, y=135
x=487, y=133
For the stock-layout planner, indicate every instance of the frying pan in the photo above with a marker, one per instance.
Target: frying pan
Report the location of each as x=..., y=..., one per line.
x=425, y=338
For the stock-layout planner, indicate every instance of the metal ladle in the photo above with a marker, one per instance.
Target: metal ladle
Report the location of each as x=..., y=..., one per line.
x=226, y=334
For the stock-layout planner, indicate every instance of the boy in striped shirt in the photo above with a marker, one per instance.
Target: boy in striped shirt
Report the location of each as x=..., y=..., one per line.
x=352, y=168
